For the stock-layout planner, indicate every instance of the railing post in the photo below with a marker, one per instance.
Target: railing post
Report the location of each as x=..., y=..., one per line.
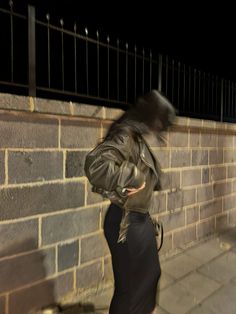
x=31, y=51
x=160, y=73
x=221, y=100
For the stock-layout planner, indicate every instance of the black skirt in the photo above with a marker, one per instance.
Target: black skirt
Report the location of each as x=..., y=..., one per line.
x=135, y=263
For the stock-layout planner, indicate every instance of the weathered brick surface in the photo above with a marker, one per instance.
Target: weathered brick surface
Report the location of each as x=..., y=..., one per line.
x=51, y=106
x=21, y=202
x=18, y=237
x=68, y=255
x=199, y=157
x=27, y=131
x=210, y=209
x=170, y=180
x=218, y=173
x=225, y=140
x=34, y=166
x=191, y=177
x=189, y=197
x=167, y=244
x=40, y=295
x=2, y=305
x=88, y=276
x=205, y=228
x=221, y=189
x=174, y=200
x=13, y=102
x=194, y=140
x=205, y=175
x=178, y=139
x=204, y=193
x=221, y=222
x=173, y=220
x=75, y=164
x=231, y=171
x=65, y=226
x=93, y=247
x=2, y=167
x=192, y=214
x=184, y=236
x=163, y=157
x=25, y=269
x=209, y=140
x=79, y=134
x=159, y=203
x=232, y=217
x=229, y=155
x=229, y=202
x=91, y=197
x=180, y=158
x=216, y=156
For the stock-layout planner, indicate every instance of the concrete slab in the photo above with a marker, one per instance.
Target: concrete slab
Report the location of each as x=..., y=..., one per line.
x=165, y=281
x=221, y=269
x=199, y=309
x=180, y=265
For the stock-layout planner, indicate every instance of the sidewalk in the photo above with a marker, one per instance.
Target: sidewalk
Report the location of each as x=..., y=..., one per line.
x=199, y=280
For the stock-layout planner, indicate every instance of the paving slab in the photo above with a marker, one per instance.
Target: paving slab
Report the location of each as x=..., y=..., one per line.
x=165, y=280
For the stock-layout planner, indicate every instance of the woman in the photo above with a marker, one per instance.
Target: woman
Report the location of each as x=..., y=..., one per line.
x=123, y=169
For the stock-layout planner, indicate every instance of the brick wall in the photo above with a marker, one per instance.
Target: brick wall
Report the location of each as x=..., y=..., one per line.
x=52, y=245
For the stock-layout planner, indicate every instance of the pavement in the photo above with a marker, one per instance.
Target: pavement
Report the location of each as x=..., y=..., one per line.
x=200, y=279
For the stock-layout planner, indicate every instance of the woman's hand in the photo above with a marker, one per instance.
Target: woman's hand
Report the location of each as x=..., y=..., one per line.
x=133, y=191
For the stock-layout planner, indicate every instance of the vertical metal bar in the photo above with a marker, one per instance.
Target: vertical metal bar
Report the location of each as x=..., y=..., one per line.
x=178, y=83
x=173, y=81
x=204, y=89
x=75, y=55
x=221, y=100
x=143, y=73
x=229, y=98
x=199, y=89
x=135, y=72
x=108, y=67
x=160, y=73
x=12, y=41
x=150, y=71
x=189, y=87
x=118, y=68
x=86, y=56
x=31, y=51
x=212, y=93
x=208, y=93
x=62, y=54
x=49, y=63
x=216, y=93
x=232, y=99
x=184, y=89
x=98, y=65
x=167, y=68
x=126, y=72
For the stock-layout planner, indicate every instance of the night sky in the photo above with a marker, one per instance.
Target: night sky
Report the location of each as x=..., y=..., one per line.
x=195, y=34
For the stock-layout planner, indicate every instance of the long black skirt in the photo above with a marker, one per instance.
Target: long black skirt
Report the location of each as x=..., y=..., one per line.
x=135, y=263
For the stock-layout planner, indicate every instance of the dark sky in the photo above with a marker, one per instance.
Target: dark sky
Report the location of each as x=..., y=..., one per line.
x=196, y=34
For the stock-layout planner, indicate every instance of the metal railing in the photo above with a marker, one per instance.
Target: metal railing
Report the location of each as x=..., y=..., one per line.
x=47, y=60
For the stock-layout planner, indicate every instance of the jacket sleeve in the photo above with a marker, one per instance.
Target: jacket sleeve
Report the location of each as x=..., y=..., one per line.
x=107, y=168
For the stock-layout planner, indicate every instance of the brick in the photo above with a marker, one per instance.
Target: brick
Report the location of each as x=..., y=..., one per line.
x=192, y=214
x=108, y=271
x=112, y=113
x=80, y=134
x=163, y=157
x=3, y=305
x=191, y=177
x=178, y=139
x=167, y=244
x=91, y=197
x=208, y=140
x=25, y=269
x=195, y=122
x=159, y=203
x=75, y=164
x=205, y=228
x=18, y=237
x=68, y=255
x=89, y=276
x=93, y=247
x=208, y=124
x=221, y=222
x=26, y=131
x=204, y=193
x=10, y=101
x=199, y=157
x=52, y=106
x=40, y=295
x=173, y=220
x=61, y=227
x=229, y=155
x=229, y=202
x=84, y=110
x=174, y=200
x=215, y=157
x=221, y=189
x=170, y=180
x=34, y=166
x=189, y=197
x=232, y=217
x=225, y=140
x=27, y=201
x=231, y=171
x=180, y=158
x=210, y=209
x=194, y=139
x=205, y=175
x=218, y=173
x=2, y=168
x=184, y=236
